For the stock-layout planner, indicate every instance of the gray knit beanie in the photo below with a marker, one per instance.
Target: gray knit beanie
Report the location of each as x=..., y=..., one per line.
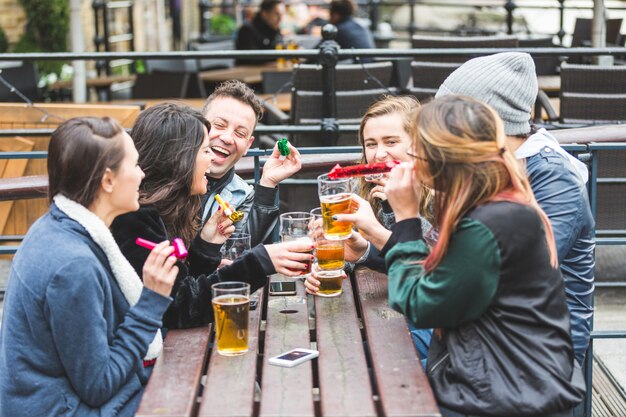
x=506, y=81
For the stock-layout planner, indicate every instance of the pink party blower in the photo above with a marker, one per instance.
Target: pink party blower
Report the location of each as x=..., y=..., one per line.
x=180, y=251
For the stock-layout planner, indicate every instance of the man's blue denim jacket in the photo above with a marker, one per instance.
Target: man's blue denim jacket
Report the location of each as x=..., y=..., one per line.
x=563, y=196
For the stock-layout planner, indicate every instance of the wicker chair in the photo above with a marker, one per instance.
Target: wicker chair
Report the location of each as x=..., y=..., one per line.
x=348, y=77
x=180, y=72
x=428, y=76
x=23, y=76
x=443, y=42
x=591, y=94
x=582, y=37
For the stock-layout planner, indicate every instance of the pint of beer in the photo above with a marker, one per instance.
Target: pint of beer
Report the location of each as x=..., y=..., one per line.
x=330, y=283
x=335, y=198
x=231, y=305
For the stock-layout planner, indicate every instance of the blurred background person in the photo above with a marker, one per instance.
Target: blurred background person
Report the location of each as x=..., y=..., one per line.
x=262, y=32
x=350, y=33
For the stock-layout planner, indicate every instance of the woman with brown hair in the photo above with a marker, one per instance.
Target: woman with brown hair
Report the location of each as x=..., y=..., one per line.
x=174, y=152
x=490, y=284
x=79, y=328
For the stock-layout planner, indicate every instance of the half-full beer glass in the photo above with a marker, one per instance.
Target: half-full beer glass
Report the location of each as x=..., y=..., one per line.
x=231, y=307
x=328, y=253
x=335, y=198
x=330, y=283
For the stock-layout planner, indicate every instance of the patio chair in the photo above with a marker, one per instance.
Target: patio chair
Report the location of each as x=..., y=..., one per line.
x=348, y=77
x=446, y=42
x=21, y=75
x=182, y=73
x=428, y=76
x=592, y=94
x=582, y=37
x=206, y=64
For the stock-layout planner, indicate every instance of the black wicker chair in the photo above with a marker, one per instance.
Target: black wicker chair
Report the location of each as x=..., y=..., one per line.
x=428, y=76
x=348, y=77
x=443, y=42
x=592, y=94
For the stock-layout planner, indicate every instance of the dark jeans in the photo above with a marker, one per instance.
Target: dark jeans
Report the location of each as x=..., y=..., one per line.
x=449, y=413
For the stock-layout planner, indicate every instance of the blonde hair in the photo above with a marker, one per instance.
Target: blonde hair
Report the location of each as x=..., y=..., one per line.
x=462, y=141
x=405, y=106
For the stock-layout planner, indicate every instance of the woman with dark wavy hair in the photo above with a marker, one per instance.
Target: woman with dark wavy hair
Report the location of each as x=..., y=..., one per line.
x=174, y=152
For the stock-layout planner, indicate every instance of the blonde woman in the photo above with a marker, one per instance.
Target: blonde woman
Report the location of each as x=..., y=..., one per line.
x=490, y=284
x=385, y=136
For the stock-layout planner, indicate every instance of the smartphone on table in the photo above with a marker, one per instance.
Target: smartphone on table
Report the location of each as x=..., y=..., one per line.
x=283, y=288
x=294, y=357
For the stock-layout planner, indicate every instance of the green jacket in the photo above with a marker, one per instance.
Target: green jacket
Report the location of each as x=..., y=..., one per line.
x=505, y=347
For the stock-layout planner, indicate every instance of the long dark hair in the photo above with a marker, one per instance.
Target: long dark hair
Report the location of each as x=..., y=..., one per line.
x=80, y=151
x=168, y=137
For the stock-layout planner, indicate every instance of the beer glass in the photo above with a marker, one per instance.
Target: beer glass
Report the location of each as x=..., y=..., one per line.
x=295, y=226
x=335, y=198
x=330, y=283
x=329, y=254
x=235, y=246
x=231, y=305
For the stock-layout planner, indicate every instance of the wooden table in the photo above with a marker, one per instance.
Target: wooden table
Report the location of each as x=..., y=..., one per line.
x=281, y=101
x=551, y=84
x=249, y=74
x=98, y=82
x=367, y=364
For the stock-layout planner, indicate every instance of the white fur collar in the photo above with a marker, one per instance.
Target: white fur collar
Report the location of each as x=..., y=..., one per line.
x=125, y=275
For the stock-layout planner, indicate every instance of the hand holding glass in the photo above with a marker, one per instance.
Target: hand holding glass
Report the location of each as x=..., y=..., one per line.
x=235, y=246
x=335, y=198
x=295, y=226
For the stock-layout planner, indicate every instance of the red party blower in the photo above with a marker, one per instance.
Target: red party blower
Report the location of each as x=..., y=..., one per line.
x=363, y=169
x=180, y=251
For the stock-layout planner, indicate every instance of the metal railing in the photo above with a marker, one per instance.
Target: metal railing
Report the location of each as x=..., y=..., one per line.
x=372, y=9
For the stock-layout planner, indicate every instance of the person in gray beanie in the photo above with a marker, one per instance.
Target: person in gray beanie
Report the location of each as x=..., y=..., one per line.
x=508, y=83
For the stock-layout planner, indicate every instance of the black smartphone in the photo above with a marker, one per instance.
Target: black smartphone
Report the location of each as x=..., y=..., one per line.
x=253, y=304
x=283, y=288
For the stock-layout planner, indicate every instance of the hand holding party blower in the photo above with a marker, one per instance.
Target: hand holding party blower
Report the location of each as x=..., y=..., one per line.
x=180, y=251
x=235, y=216
x=360, y=170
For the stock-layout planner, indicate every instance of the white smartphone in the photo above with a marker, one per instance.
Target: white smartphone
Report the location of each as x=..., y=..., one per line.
x=294, y=357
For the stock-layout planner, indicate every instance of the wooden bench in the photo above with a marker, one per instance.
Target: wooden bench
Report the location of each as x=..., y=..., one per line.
x=367, y=365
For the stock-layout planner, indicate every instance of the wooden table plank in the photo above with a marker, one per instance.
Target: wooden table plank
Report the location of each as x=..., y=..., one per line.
x=229, y=387
x=402, y=384
x=175, y=380
x=249, y=74
x=345, y=387
x=287, y=391
x=549, y=83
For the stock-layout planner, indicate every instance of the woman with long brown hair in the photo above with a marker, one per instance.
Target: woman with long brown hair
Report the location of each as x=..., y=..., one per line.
x=174, y=152
x=80, y=329
x=490, y=284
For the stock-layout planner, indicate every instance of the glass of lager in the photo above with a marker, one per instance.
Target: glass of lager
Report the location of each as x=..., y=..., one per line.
x=295, y=226
x=329, y=254
x=330, y=282
x=231, y=306
x=335, y=198
x=235, y=246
